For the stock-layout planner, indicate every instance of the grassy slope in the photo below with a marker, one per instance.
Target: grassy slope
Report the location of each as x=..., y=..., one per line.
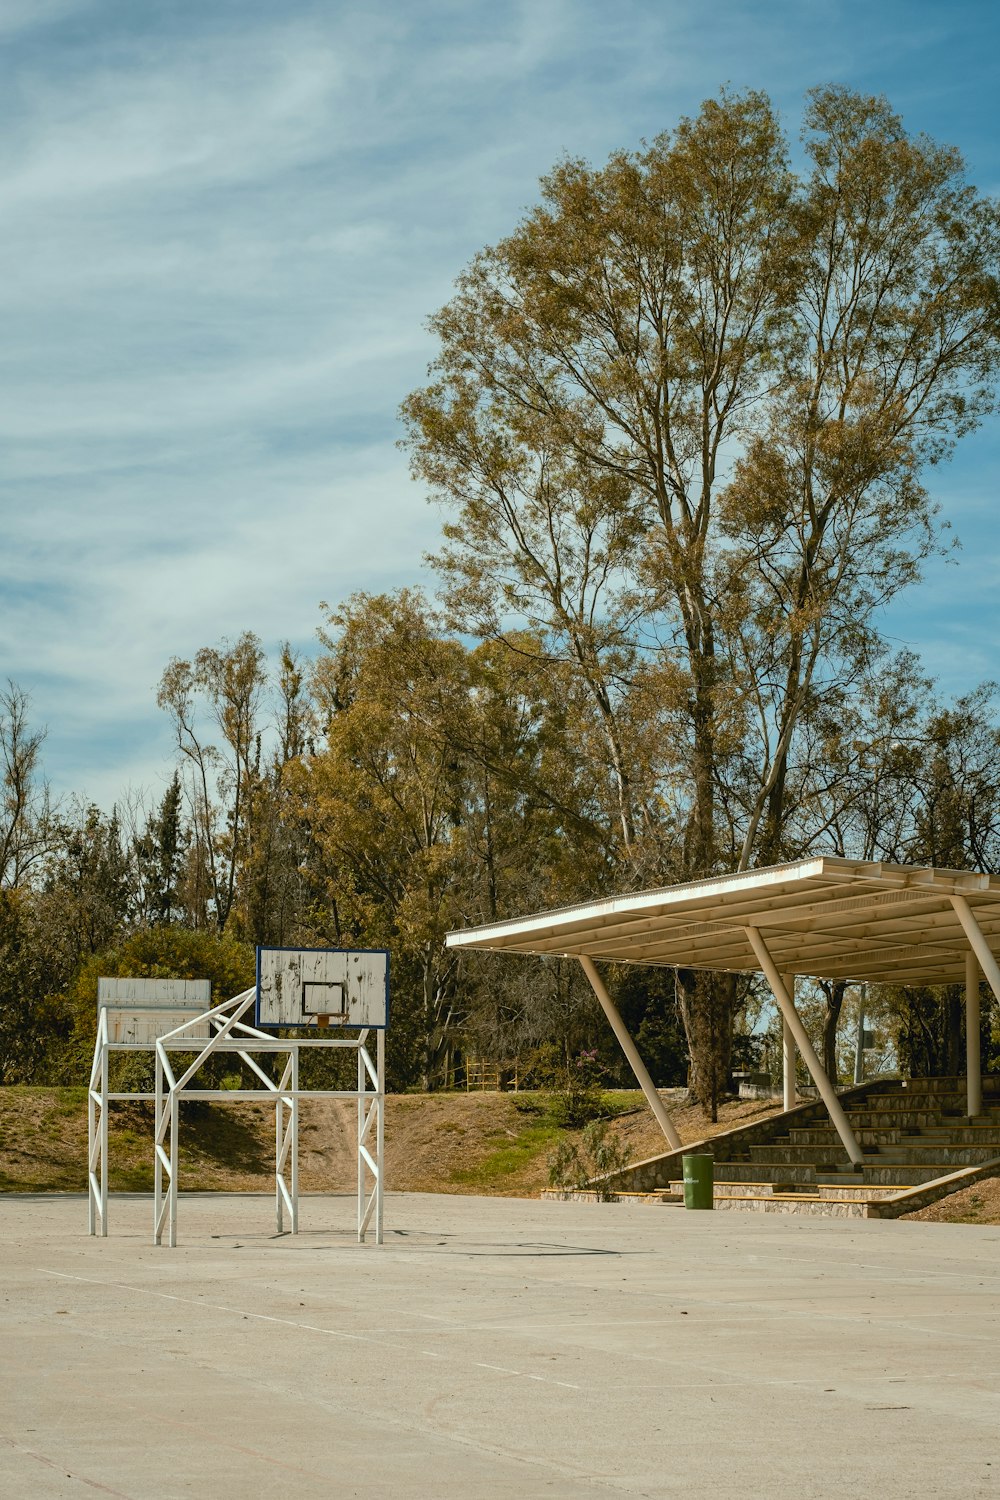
x=459, y=1143
x=452, y=1143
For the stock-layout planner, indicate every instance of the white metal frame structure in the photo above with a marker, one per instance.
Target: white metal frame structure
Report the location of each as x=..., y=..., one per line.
x=823, y=917
x=230, y=1033
x=171, y=1016
x=131, y=1013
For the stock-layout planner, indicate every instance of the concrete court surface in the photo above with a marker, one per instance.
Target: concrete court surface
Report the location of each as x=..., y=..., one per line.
x=495, y=1348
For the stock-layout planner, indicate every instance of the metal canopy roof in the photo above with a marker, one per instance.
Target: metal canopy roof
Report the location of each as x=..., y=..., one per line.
x=827, y=917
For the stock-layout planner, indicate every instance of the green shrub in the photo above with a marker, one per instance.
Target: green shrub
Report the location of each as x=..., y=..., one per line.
x=581, y=1099
x=600, y=1155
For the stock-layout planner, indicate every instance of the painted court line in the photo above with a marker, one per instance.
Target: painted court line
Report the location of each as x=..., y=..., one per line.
x=50, y=1463
x=334, y=1333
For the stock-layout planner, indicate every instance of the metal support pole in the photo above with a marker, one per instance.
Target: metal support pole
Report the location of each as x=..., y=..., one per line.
x=628, y=1047
x=157, y=1159
x=380, y=1133
x=859, y=1044
x=362, y=1089
x=789, y=1094
x=172, y=1191
x=95, y=1073
x=787, y=1007
x=788, y=1090
x=295, y=1140
x=279, y=1141
x=103, y=1128
x=973, y=1067
x=980, y=950
x=91, y=1137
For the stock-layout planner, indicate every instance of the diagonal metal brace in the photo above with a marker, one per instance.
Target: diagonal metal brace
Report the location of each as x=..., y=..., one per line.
x=629, y=1048
x=787, y=1007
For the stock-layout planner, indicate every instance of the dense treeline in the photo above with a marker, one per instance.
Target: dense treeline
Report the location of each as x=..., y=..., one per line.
x=426, y=784
x=679, y=423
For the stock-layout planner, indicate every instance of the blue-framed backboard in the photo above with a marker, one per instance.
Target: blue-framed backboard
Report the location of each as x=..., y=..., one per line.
x=322, y=987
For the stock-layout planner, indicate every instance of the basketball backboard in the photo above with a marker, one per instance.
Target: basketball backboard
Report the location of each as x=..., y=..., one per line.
x=141, y=1010
x=322, y=987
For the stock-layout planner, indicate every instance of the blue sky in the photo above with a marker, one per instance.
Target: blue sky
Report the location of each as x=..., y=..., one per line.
x=224, y=226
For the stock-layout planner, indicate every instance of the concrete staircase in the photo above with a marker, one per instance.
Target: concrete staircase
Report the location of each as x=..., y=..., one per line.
x=918, y=1142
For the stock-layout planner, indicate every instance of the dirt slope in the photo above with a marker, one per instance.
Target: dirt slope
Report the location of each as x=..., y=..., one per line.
x=454, y=1143
x=495, y=1144
x=978, y=1204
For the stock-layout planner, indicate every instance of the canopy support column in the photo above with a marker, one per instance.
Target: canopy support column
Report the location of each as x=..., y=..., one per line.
x=973, y=1066
x=790, y=1098
x=859, y=1040
x=628, y=1047
x=787, y=1007
x=980, y=950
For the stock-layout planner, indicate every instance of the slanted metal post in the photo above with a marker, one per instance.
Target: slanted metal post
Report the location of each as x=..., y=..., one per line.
x=789, y=1095
x=628, y=1047
x=977, y=942
x=787, y=1007
x=973, y=1066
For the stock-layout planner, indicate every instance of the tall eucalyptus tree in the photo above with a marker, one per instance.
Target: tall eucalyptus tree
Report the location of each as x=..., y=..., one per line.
x=680, y=420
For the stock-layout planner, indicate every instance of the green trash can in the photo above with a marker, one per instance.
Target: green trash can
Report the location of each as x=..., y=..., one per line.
x=698, y=1181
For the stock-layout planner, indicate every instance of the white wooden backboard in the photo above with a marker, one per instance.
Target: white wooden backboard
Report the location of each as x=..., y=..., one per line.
x=322, y=987
x=141, y=1010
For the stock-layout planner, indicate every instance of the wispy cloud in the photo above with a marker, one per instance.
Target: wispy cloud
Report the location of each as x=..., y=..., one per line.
x=224, y=227
x=19, y=17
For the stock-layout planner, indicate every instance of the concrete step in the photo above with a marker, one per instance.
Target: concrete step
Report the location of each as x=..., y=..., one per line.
x=782, y=1151
x=901, y=1104
x=765, y=1197
x=826, y=1135
x=857, y=1191
x=963, y=1135
x=796, y=1203
x=894, y=1173
x=885, y=1174
x=935, y=1108
x=903, y=1120
x=914, y=1153
x=955, y=1084
x=920, y=1098
x=890, y=1103
x=959, y=1134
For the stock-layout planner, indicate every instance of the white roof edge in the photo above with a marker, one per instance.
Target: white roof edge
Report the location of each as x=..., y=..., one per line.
x=637, y=901
x=837, y=867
